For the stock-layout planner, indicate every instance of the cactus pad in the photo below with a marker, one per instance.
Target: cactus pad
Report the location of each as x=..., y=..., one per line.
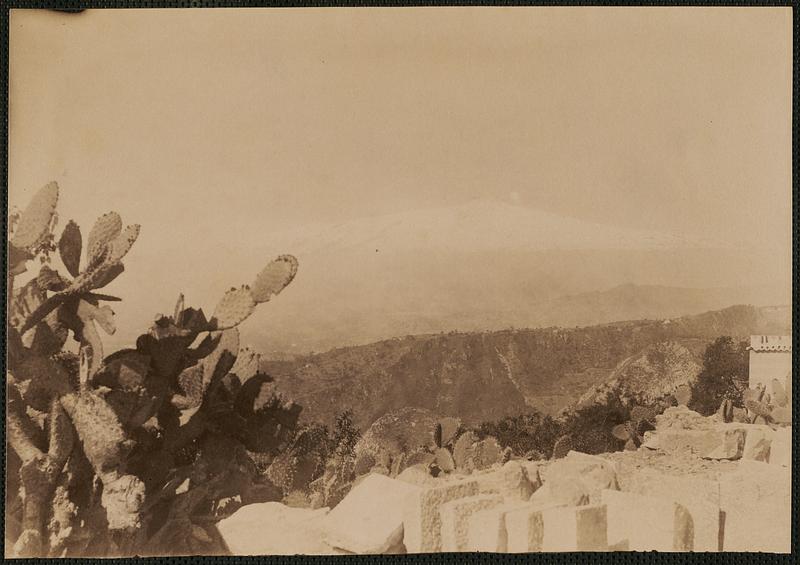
x=228, y=343
x=246, y=365
x=449, y=429
x=70, y=246
x=444, y=460
x=48, y=336
x=35, y=221
x=235, y=307
x=190, y=382
x=274, y=278
x=46, y=380
x=101, y=434
x=105, y=229
x=622, y=432
x=103, y=315
x=683, y=394
x=779, y=397
x=563, y=445
x=121, y=244
x=758, y=408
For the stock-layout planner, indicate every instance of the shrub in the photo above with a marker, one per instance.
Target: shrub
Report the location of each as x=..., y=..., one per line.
x=725, y=375
x=590, y=429
x=524, y=434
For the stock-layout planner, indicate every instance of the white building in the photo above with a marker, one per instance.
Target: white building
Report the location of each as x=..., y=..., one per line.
x=770, y=358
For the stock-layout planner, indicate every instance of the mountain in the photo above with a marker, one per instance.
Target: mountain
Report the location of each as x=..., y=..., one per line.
x=480, y=376
x=489, y=265
x=482, y=224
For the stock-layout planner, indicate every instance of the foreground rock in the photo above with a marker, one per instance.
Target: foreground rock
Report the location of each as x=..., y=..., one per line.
x=455, y=516
x=758, y=442
x=714, y=443
x=421, y=518
x=556, y=528
x=370, y=518
x=472, y=454
x=700, y=497
x=512, y=481
x=271, y=528
x=641, y=523
x=757, y=502
x=576, y=479
x=780, y=452
x=487, y=528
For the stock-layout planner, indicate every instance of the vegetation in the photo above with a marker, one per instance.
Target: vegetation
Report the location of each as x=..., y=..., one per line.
x=134, y=452
x=530, y=435
x=724, y=376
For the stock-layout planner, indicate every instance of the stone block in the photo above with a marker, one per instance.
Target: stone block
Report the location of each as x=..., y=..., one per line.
x=532, y=469
x=370, y=518
x=487, y=528
x=757, y=442
x=421, y=518
x=556, y=528
x=455, y=516
x=511, y=481
x=271, y=528
x=576, y=479
x=712, y=443
x=646, y=523
x=756, y=501
x=780, y=452
x=700, y=496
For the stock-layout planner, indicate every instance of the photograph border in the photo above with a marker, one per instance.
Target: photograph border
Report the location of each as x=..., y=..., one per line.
x=439, y=558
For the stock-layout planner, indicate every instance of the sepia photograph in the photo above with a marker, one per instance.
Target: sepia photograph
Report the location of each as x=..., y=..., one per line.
x=338, y=281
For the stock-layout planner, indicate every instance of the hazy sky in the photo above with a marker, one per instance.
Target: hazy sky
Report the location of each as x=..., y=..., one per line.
x=214, y=127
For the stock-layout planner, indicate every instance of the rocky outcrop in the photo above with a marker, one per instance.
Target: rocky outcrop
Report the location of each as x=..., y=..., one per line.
x=556, y=528
x=455, y=516
x=575, y=480
x=648, y=376
x=405, y=432
x=473, y=454
x=642, y=523
x=370, y=518
x=422, y=519
x=662, y=498
x=272, y=528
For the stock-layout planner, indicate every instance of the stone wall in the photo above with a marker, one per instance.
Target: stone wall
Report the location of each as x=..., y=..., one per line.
x=696, y=485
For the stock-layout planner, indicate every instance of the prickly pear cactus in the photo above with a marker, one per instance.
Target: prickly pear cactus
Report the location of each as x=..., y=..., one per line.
x=563, y=445
x=102, y=448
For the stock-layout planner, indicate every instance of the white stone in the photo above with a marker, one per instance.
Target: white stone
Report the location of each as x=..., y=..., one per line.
x=780, y=452
x=556, y=528
x=576, y=479
x=700, y=496
x=757, y=502
x=487, y=528
x=370, y=518
x=758, y=442
x=271, y=528
x=421, y=518
x=455, y=517
x=645, y=523
x=511, y=481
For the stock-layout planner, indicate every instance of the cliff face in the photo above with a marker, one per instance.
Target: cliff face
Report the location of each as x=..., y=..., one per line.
x=489, y=375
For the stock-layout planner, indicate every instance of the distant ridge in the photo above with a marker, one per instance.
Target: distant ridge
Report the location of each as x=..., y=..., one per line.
x=480, y=376
x=490, y=264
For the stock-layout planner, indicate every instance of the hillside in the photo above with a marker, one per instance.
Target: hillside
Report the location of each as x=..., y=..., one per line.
x=488, y=265
x=488, y=375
